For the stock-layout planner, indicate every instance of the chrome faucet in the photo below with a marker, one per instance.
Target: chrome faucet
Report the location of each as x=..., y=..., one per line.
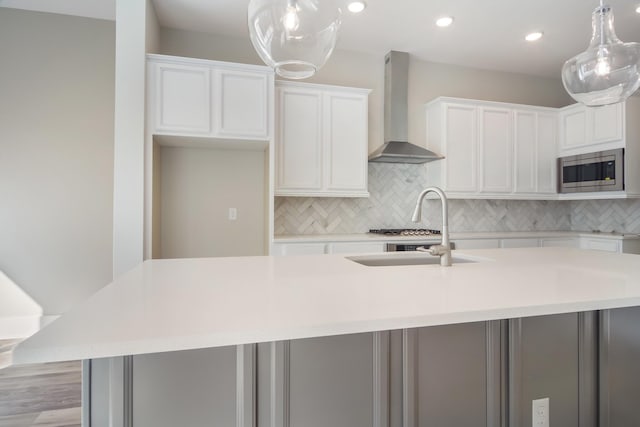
x=443, y=250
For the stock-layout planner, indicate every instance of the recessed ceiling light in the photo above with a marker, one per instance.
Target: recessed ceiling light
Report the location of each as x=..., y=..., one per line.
x=638, y=9
x=445, y=21
x=356, y=6
x=531, y=37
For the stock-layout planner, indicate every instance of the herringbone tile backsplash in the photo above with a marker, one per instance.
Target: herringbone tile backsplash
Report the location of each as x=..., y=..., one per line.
x=394, y=189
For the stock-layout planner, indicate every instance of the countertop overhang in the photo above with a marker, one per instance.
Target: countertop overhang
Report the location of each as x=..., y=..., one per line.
x=180, y=304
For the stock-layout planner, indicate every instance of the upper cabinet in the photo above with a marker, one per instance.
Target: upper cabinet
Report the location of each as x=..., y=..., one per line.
x=534, y=151
x=193, y=97
x=585, y=129
x=492, y=150
x=321, y=140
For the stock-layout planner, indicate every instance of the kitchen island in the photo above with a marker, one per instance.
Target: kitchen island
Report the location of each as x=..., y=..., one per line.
x=180, y=304
x=342, y=343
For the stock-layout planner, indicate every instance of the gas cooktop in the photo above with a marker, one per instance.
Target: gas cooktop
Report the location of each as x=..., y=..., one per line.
x=405, y=231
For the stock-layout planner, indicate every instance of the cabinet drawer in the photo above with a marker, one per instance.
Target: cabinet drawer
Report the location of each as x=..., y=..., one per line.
x=520, y=243
x=601, y=245
x=477, y=244
x=560, y=243
x=356, y=247
x=299, y=249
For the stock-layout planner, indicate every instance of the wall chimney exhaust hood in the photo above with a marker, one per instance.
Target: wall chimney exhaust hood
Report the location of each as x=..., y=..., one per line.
x=397, y=148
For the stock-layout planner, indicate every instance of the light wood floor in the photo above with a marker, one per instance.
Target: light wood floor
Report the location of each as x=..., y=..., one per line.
x=42, y=395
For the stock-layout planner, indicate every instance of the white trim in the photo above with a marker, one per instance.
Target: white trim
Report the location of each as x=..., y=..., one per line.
x=181, y=60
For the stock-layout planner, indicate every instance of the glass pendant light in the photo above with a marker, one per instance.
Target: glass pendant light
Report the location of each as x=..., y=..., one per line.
x=295, y=37
x=608, y=71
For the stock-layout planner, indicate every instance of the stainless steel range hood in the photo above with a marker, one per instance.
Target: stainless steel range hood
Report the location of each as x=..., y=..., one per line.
x=397, y=148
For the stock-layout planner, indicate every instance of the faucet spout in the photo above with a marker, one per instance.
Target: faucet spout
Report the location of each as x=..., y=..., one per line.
x=443, y=250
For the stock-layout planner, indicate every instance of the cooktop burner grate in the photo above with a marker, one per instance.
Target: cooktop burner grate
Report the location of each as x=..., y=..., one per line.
x=405, y=231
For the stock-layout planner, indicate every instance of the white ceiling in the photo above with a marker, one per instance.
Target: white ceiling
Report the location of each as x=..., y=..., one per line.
x=487, y=34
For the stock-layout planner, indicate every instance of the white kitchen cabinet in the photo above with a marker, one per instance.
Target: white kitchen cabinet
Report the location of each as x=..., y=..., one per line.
x=303, y=248
x=181, y=98
x=241, y=103
x=492, y=149
x=356, y=247
x=452, y=131
x=321, y=140
x=476, y=243
x=567, y=242
x=584, y=129
x=519, y=243
x=194, y=97
x=495, y=150
x=604, y=128
x=534, y=152
x=299, y=150
x=606, y=245
x=627, y=246
x=319, y=248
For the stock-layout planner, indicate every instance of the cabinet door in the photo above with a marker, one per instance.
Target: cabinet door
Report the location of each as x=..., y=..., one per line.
x=606, y=123
x=346, y=142
x=546, y=154
x=461, y=125
x=205, y=387
x=182, y=99
x=619, y=367
x=574, y=127
x=326, y=381
x=458, y=378
x=299, y=140
x=553, y=357
x=495, y=150
x=524, y=151
x=241, y=104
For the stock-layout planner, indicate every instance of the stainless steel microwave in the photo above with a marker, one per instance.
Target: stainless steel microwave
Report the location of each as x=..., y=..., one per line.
x=599, y=171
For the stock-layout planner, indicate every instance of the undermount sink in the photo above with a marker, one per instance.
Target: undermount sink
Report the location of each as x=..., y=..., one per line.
x=406, y=258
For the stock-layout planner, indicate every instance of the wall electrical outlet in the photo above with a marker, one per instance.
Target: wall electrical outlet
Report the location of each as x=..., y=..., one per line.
x=233, y=214
x=540, y=412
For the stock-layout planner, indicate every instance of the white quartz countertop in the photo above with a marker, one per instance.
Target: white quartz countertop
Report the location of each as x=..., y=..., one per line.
x=165, y=305
x=371, y=237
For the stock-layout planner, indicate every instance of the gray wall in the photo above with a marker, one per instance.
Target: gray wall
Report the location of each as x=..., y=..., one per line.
x=197, y=187
x=56, y=155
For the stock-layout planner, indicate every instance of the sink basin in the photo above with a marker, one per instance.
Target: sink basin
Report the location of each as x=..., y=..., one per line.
x=405, y=258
